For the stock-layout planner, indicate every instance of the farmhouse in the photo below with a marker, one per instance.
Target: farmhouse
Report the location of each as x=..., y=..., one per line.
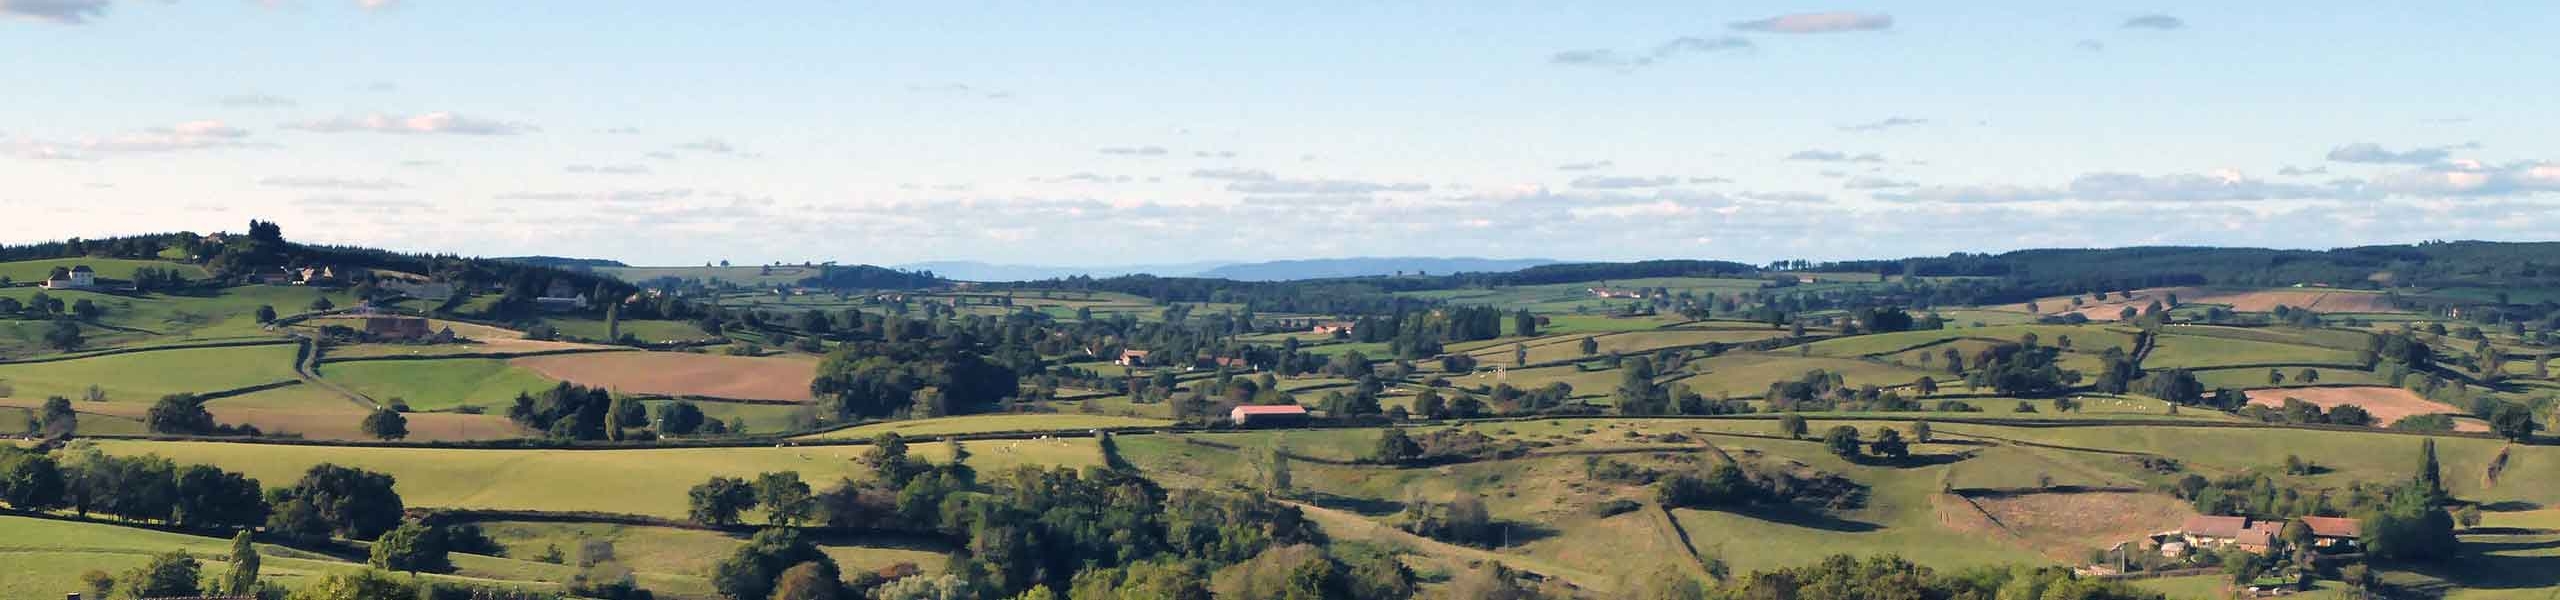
x=1333, y=328
x=2209, y=531
x=397, y=328
x=561, y=297
x=1132, y=358
x=1270, y=416
x=1615, y=293
x=2334, y=531
x=78, y=278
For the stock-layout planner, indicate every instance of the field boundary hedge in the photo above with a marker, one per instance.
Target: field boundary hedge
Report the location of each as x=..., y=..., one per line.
x=478, y=355
x=132, y=350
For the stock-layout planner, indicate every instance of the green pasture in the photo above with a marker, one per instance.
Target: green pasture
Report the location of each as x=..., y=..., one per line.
x=146, y=376
x=649, y=481
x=121, y=269
x=438, y=384
x=2177, y=350
x=989, y=423
x=1750, y=373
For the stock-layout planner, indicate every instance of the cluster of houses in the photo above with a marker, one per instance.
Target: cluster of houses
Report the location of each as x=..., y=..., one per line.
x=1331, y=328
x=1143, y=358
x=2334, y=534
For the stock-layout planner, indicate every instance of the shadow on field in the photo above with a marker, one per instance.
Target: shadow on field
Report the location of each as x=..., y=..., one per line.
x=2510, y=506
x=1515, y=533
x=1367, y=507
x=2492, y=565
x=1806, y=518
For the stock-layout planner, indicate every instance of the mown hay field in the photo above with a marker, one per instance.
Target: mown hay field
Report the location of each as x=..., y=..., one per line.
x=682, y=373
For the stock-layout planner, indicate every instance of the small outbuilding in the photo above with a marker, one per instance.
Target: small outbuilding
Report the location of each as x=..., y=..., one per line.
x=1282, y=415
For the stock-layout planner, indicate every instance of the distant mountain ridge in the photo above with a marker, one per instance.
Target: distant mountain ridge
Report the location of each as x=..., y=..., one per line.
x=966, y=270
x=560, y=262
x=1324, y=268
x=1278, y=270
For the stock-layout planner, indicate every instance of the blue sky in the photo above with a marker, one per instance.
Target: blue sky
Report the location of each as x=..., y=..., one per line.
x=1111, y=133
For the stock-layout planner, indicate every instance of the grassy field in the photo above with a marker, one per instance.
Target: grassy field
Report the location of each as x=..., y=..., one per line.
x=1750, y=373
x=44, y=558
x=647, y=331
x=226, y=314
x=15, y=412
x=144, y=377
x=988, y=423
x=2091, y=339
x=642, y=481
x=438, y=384
x=32, y=271
x=1555, y=348
x=2177, y=349
x=316, y=413
x=680, y=560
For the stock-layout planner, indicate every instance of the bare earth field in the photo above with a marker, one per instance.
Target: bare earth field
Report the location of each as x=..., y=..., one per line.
x=2067, y=526
x=683, y=374
x=2387, y=404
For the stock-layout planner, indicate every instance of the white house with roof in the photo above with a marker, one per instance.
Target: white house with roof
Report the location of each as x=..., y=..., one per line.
x=80, y=277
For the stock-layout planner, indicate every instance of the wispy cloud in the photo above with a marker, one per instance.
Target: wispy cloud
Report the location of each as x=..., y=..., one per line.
x=1887, y=123
x=1659, y=52
x=1586, y=166
x=1822, y=22
x=2372, y=153
x=708, y=146
x=619, y=196
x=1876, y=183
x=1818, y=155
x=331, y=183
x=2155, y=21
x=255, y=101
x=191, y=135
x=434, y=123
x=621, y=169
x=1233, y=174
x=66, y=12
x=1133, y=151
x=1322, y=186
x=959, y=89
x=2089, y=46
x=1604, y=182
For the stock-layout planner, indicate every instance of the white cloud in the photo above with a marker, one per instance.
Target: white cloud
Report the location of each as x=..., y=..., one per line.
x=424, y=124
x=1835, y=156
x=1602, y=182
